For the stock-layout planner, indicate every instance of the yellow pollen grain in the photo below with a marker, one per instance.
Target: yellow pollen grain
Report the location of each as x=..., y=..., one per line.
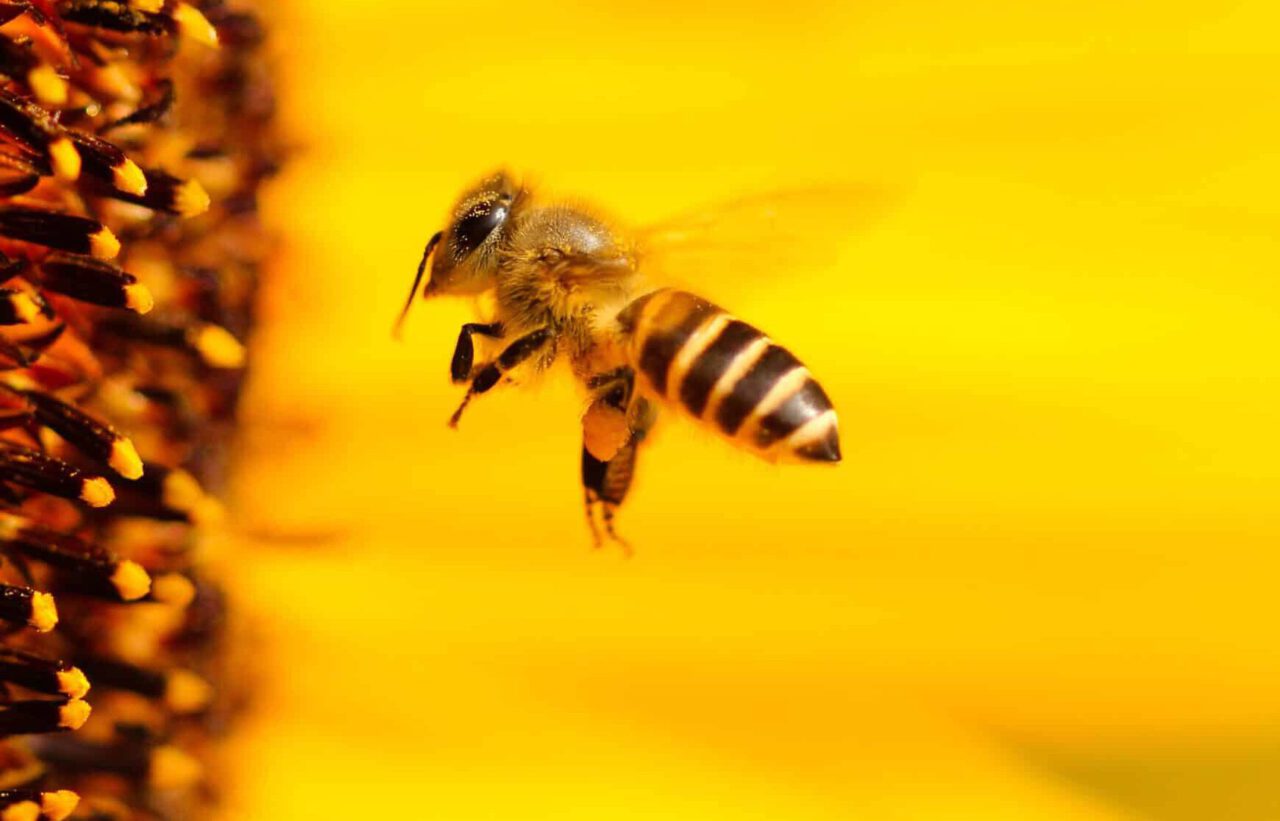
x=24, y=306
x=65, y=159
x=73, y=682
x=208, y=511
x=148, y=6
x=190, y=199
x=217, y=347
x=181, y=491
x=173, y=589
x=113, y=80
x=103, y=244
x=50, y=89
x=194, y=25
x=129, y=178
x=74, y=714
x=185, y=692
x=125, y=460
x=138, y=298
x=21, y=811
x=44, y=612
x=97, y=492
x=59, y=804
x=171, y=768
x=130, y=580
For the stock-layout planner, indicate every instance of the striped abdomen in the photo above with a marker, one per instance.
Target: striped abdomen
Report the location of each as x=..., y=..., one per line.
x=729, y=375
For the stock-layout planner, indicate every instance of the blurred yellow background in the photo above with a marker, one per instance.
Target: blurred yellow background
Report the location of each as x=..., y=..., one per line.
x=1042, y=583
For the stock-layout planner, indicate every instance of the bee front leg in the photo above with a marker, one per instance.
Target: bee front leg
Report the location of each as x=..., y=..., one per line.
x=464, y=352
x=512, y=356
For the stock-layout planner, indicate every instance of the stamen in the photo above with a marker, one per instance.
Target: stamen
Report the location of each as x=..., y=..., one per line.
x=131, y=581
x=181, y=690
x=194, y=26
x=58, y=804
x=42, y=675
x=22, y=605
x=30, y=717
x=17, y=307
x=138, y=299
x=87, y=434
x=148, y=113
x=107, y=162
x=185, y=692
x=65, y=160
x=165, y=192
x=47, y=85
x=162, y=767
x=103, y=244
x=216, y=346
x=64, y=232
x=36, y=128
x=101, y=572
x=47, y=474
x=73, y=683
x=180, y=490
x=21, y=811
x=92, y=66
x=173, y=589
x=190, y=199
x=124, y=459
x=97, y=492
x=168, y=488
x=94, y=281
x=173, y=769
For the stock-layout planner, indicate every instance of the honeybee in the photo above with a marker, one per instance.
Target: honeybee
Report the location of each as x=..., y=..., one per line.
x=566, y=284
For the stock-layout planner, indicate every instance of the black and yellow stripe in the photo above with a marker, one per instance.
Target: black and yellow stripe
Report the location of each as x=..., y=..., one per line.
x=729, y=374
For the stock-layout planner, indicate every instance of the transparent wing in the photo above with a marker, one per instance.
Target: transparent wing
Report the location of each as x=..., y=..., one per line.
x=758, y=239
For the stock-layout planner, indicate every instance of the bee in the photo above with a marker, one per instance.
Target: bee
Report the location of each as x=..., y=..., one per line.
x=567, y=285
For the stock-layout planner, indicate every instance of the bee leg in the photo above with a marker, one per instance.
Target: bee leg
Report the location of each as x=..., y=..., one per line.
x=589, y=505
x=606, y=482
x=464, y=352
x=605, y=485
x=606, y=427
x=609, y=382
x=512, y=356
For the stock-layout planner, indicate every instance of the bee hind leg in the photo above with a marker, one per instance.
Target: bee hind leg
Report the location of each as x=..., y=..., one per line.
x=605, y=485
x=606, y=482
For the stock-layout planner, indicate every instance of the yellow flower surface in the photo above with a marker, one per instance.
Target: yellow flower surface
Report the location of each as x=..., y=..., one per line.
x=1040, y=585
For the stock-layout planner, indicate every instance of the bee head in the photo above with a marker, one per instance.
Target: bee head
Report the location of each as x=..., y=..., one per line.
x=464, y=256
x=467, y=258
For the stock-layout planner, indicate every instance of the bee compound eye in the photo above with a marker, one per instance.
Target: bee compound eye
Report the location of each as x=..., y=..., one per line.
x=474, y=227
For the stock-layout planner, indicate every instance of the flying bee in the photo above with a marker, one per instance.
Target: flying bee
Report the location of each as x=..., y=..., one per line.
x=565, y=284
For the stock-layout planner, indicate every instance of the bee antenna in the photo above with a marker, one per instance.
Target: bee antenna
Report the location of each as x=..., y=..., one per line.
x=417, y=280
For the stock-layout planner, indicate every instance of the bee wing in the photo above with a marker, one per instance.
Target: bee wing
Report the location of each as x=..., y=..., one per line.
x=758, y=237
